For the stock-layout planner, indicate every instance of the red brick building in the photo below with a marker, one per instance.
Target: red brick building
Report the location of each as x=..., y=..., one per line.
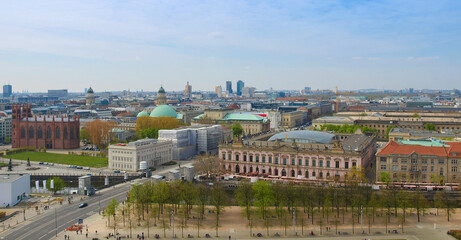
x=52, y=132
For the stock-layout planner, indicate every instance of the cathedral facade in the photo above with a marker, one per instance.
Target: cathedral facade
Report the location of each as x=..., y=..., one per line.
x=51, y=132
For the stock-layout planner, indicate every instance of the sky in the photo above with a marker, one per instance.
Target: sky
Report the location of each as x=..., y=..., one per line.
x=140, y=45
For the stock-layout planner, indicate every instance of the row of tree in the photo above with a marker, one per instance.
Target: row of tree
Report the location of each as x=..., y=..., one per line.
x=268, y=204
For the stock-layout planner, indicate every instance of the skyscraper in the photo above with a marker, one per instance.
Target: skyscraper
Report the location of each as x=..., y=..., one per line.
x=240, y=86
x=229, y=87
x=7, y=90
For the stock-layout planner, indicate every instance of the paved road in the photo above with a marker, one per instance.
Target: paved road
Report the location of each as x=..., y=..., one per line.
x=44, y=227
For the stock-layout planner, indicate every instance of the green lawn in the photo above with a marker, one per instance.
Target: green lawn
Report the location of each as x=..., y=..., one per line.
x=96, y=162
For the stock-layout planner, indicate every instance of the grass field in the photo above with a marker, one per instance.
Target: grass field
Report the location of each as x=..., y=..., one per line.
x=96, y=162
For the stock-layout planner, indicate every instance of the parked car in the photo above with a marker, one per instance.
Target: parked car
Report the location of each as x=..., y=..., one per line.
x=45, y=163
x=40, y=163
x=87, y=168
x=79, y=167
x=51, y=164
x=117, y=171
x=82, y=205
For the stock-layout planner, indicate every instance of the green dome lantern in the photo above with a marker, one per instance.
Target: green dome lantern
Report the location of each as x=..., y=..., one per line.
x=143, y=114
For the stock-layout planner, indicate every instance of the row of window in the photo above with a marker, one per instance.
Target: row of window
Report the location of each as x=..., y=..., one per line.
x=415, y=161
x=415, y=168
x=276, y=172
x=293, y=161
x=415, y=176
x=31, y=132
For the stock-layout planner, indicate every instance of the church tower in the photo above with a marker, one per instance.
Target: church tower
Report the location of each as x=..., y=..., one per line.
x=90, y=99
x=161, y=97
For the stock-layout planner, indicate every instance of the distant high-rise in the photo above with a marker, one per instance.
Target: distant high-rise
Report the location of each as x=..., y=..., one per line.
x=7, y=90
x=61, y=93
x=188, y=90
x=240, y=86
x=229, y=87
x=218, y=91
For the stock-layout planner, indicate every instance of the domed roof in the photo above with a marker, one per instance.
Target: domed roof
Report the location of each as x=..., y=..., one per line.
x=143, y=114
x=161, y=90
x=163, y=111
x=90, y=90
x=303, y=136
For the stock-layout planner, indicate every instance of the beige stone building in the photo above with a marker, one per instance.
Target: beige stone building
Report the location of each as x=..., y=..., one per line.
x=292, y=119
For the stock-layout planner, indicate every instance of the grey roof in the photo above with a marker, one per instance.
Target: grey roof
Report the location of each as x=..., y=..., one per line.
x=356, y=142
x=8, y=178
x=303, y=136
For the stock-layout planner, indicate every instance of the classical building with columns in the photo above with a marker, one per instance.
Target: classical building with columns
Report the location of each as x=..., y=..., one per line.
x=299, y=154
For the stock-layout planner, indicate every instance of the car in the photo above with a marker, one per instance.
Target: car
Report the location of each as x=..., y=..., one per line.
x=87, y=168
x=45, y=163
x=85, y=148
x=79, y=167
x=51, y=164
x=117, y=171
x=82, y=205
x=40, y=163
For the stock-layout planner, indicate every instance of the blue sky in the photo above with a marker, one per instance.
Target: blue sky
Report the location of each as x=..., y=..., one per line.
x=138, y=45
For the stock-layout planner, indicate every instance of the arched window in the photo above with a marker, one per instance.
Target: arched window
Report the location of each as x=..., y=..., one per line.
x=48, y=132
x=23, y=132
x=65, y=132
x=58, y=133
x=292, y=173
x=31, y=132
x=71, y=133
x=276, y=172
x=40, y=132
x=237, y=169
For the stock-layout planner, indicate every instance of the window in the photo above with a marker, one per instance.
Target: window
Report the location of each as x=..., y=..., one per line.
x=414, y=168
x=313, y=174
x=31, y=132
x=395, y=160
x=346, y=165
x=65, y=132
x=432, y=168
x=276, y=160
x=414, y=161
x=403, y=168
x=229, y=156
x=454, y=169
x=223, y=156
x=424, y=168
x=337, y=164
x=40, y=132
x=284, y=161
x=270, y=159
x=383, y=167
x=328, y=164
x=300, y=162
x=58, y=133
x=257, y=158
x=71, y=133
x=320, y=163
x=48, y=132
x=354, y=164
x=306, y=162
x=313, y=163
x=403, y=161
x=395, y=167
x=237, y=157
x=441, y=161
x=383, y=159
x=263, y=158
x=293, y=161
x=244, y=158
x=441, y=172
x=454, y=161
x=23, y=132
x=251, y=158
x=424, y=161
x=432, y=161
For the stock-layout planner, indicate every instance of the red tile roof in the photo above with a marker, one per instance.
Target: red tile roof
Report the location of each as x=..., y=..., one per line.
x=393, y=148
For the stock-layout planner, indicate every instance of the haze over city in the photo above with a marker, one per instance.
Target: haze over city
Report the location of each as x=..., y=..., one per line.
x=139, y=45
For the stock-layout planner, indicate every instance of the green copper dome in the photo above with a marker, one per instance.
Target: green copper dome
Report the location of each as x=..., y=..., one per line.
x=143, y=114
x=90, y=90
x=161, y=90
x=164, y=111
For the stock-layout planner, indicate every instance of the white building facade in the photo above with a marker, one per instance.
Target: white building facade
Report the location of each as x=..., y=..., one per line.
x=13, y=188
x=129, y=156
x=5, y=129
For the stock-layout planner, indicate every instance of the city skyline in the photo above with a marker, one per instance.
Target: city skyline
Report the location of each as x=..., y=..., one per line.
x=140, y=45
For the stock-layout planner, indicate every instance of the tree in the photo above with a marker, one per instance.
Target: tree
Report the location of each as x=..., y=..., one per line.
x=84, y=136
x=202, y=200
x=244, y=195
x=237, y=130
x=389, y=128
x=207, y=164
x=58, y=184
x=263, y=199
x=7, y=139
x=219, y=200
x=420, y=203
x=99, y=132
x=404, y=203
x=111, y=211
x=149, y=133
x=384, y=177
x=430, y=126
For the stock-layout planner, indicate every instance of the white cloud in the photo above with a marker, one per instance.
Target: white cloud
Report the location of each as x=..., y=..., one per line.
x=430, y=58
